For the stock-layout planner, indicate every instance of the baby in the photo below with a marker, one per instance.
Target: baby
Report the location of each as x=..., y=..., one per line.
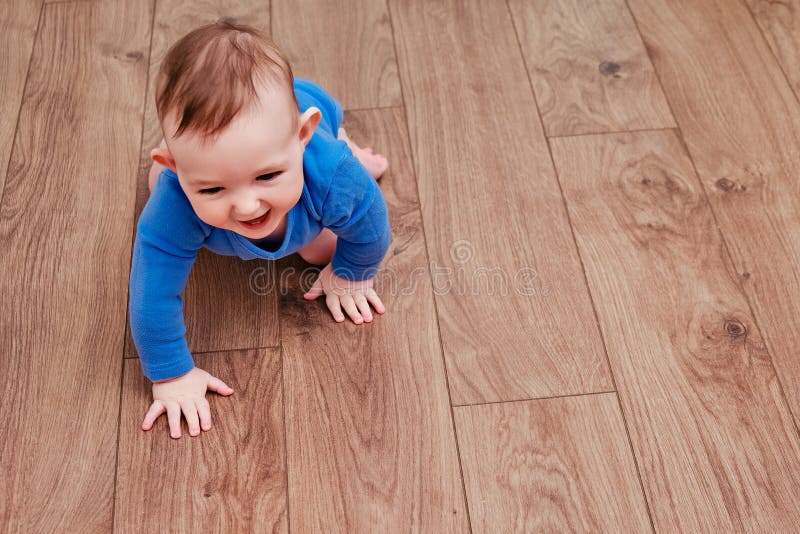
x=250, y=165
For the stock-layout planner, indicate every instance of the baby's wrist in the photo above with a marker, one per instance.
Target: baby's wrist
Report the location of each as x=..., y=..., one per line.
x=166, y=380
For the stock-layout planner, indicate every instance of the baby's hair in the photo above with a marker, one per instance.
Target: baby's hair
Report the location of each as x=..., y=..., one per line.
x=210, y=75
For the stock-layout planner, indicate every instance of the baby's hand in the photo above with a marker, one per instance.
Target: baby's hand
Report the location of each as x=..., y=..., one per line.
x=187, y=394
x=351, y=295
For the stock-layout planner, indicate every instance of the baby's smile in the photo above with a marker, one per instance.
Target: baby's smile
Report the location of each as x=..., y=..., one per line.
x=258, y=223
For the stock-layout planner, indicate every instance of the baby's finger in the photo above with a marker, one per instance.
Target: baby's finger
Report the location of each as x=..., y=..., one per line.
x=363, y=307
x=215, y=384
x=375, y=300
x=204, y=411
x=174, y=418
x=315, y=291
x=190, y=412
x=333, y=305
x=156, y=409
x=349, y=306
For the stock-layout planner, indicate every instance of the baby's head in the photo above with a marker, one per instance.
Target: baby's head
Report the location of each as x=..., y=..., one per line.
x=232, y=127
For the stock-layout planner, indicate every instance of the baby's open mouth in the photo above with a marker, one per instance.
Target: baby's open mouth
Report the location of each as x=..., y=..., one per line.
x=257, y=222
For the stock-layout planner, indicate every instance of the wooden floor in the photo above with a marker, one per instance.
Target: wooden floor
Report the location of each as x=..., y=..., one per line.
x=593, y=288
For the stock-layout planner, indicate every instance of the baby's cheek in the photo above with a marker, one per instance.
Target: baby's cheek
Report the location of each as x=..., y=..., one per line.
x=211, y=214
x=291, y=195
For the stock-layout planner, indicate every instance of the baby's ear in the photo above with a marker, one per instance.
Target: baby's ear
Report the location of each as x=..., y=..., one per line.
x=162, y=156
x=309, y=121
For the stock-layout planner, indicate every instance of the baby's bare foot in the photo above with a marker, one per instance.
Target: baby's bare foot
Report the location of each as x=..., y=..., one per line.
x=376, y=164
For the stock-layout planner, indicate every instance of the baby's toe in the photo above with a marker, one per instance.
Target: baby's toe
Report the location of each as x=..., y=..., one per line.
x=381, y=167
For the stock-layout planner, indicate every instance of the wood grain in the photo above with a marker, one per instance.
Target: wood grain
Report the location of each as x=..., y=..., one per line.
x=553, y=465
x=588, y=67
x=65, y=225
x=370, y=438
x=514, y=312
x=780, y=24
x=344, y=45
x=241, y=318
x=711, y=430
x=231, y=478
x=741, y=124
x=18, y=21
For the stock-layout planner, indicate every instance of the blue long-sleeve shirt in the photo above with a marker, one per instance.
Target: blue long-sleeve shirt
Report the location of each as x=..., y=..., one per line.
x=338, y=193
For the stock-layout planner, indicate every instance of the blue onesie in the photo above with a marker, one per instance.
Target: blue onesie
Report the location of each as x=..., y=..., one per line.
x=338, y=193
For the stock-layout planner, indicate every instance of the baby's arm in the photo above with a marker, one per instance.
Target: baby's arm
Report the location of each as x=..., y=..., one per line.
x=167, y=239
x=166, y=245
x=355, y=211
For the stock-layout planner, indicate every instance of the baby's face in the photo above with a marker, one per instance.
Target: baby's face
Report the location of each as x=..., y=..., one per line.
x=250, y=176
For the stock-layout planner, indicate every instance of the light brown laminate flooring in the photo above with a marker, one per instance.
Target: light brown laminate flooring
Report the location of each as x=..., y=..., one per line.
x=593, y=284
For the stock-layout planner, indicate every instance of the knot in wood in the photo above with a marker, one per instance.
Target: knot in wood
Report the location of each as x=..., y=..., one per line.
x=725, y=184
x=734, y=328
x=609, y=68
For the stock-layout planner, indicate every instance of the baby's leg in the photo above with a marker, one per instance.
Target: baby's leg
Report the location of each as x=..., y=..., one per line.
x=320, y=251
x=375, y=164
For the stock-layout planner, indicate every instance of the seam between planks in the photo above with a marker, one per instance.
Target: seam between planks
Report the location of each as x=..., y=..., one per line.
x=282, y=356
x=21, y=101
x=583, y=267
x=230, y=349
x=615, y=132
x=427, y=259
x=374, y=108
x=127, y=318
x=533, y=399
x=47, y=2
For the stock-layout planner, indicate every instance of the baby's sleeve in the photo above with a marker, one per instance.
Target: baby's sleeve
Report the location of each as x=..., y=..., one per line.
x=355, y=210
x=168, y=237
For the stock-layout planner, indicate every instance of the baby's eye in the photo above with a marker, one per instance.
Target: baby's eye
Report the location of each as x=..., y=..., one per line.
x=269, y=176
x=211, y=190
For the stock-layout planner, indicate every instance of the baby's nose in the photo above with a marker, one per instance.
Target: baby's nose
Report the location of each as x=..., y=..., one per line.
x=246, y=206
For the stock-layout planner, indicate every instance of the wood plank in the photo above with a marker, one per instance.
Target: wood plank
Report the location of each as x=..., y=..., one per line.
x=553, y=465
x=780, y=24
x=588, y=67
x=711, y=430
x=242, y=318
x=344, y=45
x=65, y=223
x=514, y=312
x=231, y=478
x=18, y=21
x=231, y=303
x=741, y=124
x=370, y=437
